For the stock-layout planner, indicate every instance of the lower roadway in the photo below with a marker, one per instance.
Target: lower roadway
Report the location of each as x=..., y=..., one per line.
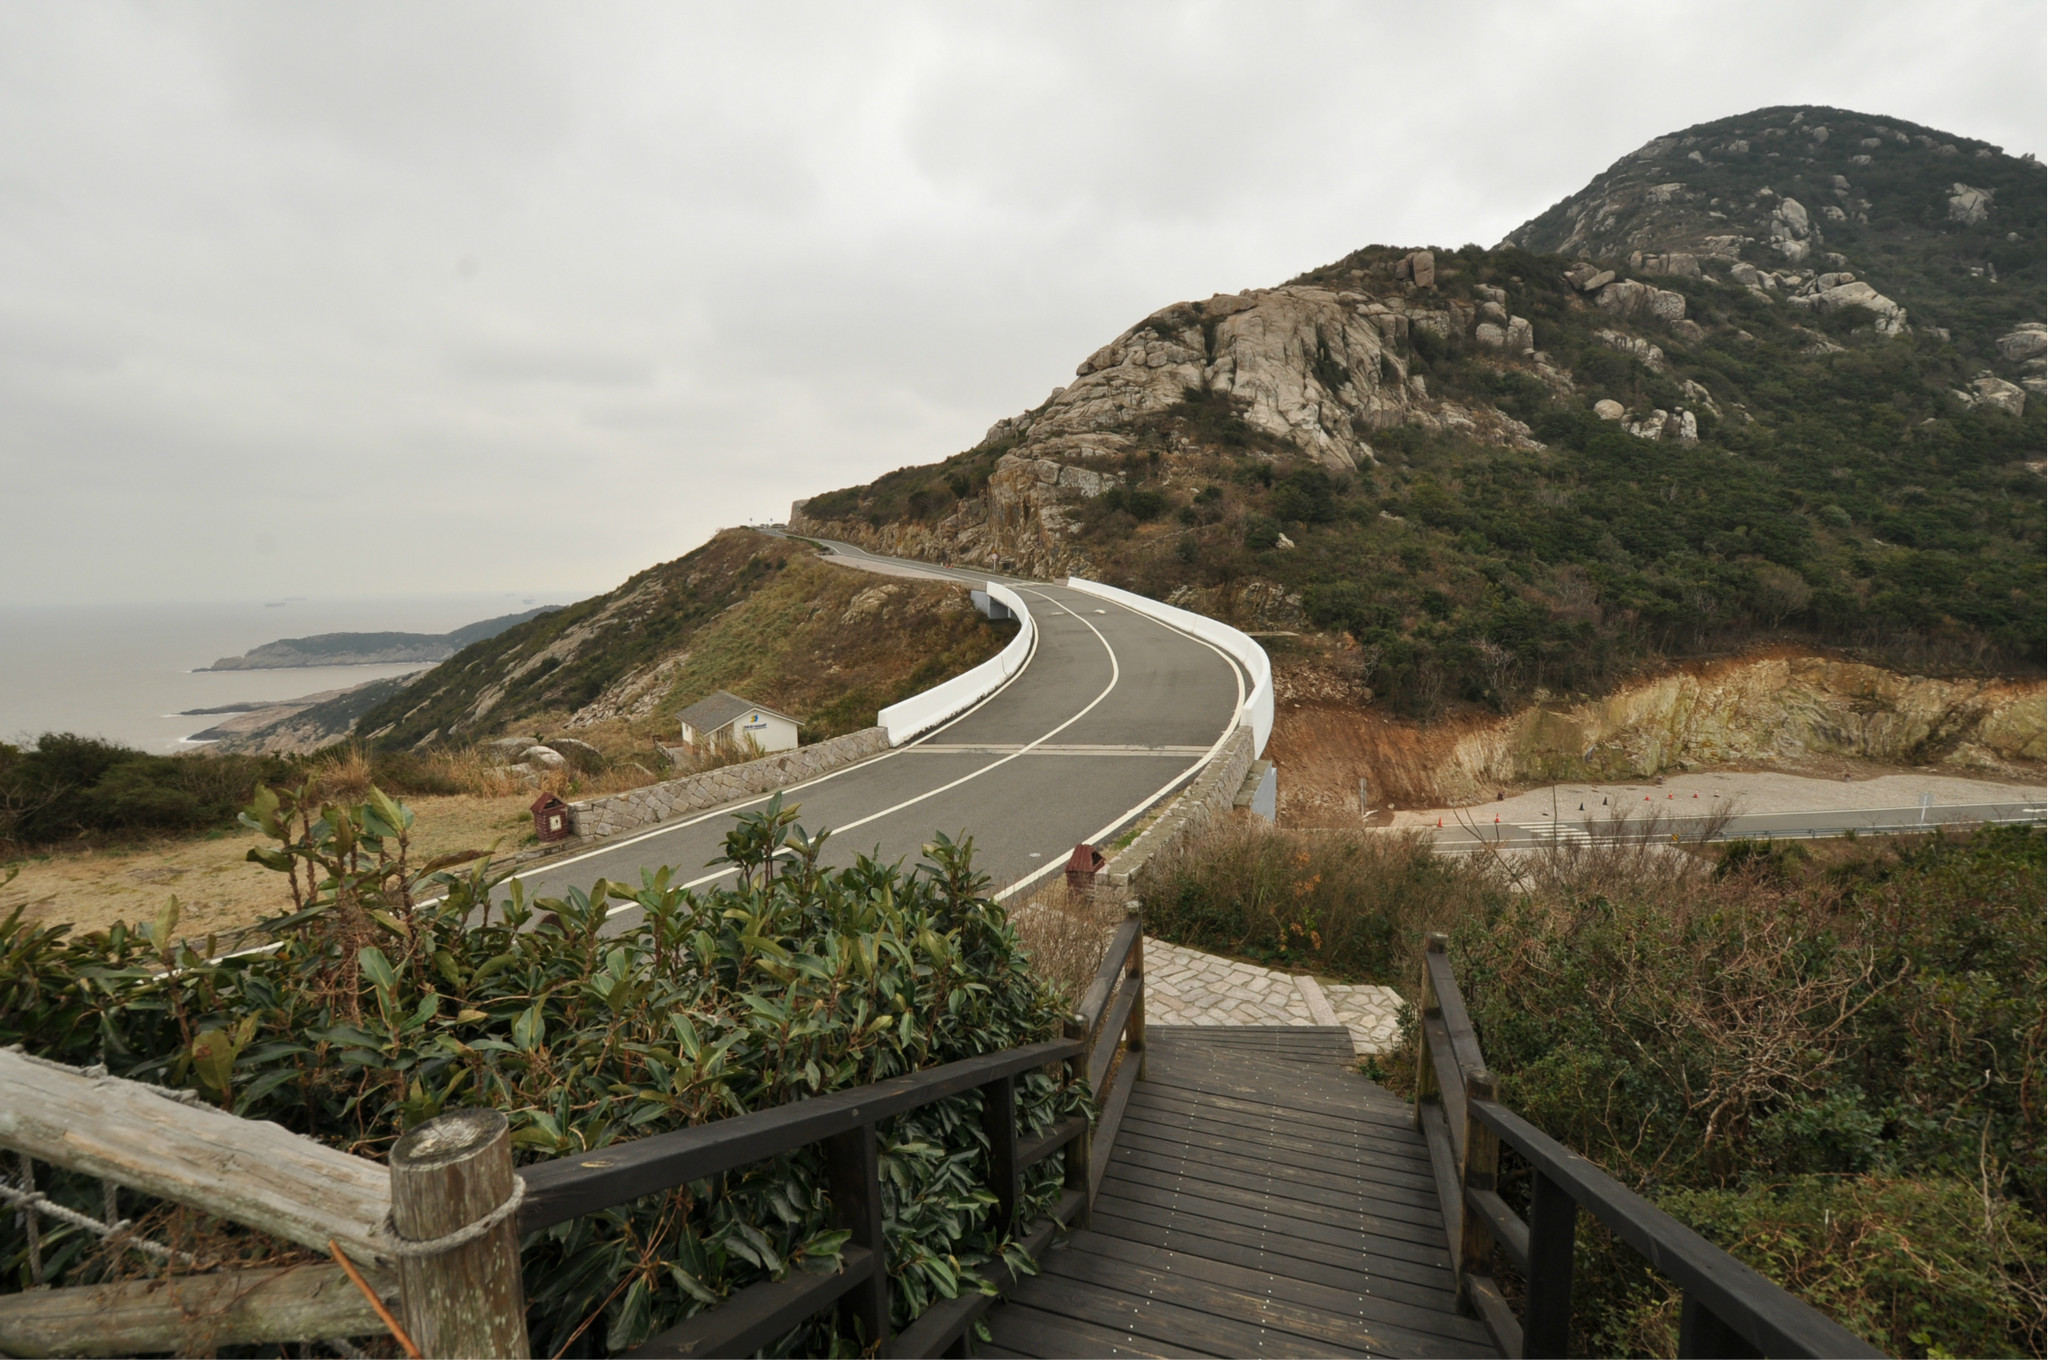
x=1473, y=833
x=1112, y=711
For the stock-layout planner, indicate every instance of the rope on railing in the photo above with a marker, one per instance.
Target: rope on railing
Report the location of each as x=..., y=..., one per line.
x=31, y=1203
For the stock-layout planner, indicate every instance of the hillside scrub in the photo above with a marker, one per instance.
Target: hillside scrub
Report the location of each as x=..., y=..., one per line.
x=69, y=789
x=1845, y=498
x=66, y=787
x=1828, y=1060
x=1350, y=907
x=1774, y=469
x=762, y=616
x=380, y=1010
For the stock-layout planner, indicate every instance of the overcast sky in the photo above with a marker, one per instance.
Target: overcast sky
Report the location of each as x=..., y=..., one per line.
x=348, y=299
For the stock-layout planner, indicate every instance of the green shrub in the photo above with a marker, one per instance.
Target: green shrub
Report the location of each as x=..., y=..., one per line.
x=379, y=1011
x=68, y=785
x=1771, y=1048
x=1336, y=905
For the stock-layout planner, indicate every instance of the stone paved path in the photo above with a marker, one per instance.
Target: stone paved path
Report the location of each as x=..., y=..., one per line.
x=1188, y=987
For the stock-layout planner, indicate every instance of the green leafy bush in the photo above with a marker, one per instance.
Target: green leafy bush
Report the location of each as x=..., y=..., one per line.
x=1827, y=1062
x=379, y=1010
x=1336, y=905
x=67, y=785
x=1832, y=1069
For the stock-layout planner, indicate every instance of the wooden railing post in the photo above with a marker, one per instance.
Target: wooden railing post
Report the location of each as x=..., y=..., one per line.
x=1547, y=1314
x=999, y=1124
x=1081, y=1152
x=447, y=1176
x=853, y=1170
x=1134, y=1032
x=1425, y=1008
x=1703, y=1336
x=1482, y=1164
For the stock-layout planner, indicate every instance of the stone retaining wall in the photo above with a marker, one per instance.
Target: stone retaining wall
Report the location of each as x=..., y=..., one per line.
x=1210, y=796
x=609, y=815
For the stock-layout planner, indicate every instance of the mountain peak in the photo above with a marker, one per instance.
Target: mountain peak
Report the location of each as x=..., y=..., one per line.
x=1949, y=226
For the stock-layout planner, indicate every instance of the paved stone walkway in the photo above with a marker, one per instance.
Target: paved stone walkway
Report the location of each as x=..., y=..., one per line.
x=1188, y=987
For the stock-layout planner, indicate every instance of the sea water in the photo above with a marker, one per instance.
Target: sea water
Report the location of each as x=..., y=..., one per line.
x=125, y=672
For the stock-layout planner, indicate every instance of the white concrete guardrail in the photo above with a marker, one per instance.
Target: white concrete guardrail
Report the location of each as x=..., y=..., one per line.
x=922, y=712
x=1258, y=702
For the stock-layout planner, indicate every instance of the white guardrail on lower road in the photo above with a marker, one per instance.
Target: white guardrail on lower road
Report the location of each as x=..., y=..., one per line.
x=1258, y=704
x=923, y=712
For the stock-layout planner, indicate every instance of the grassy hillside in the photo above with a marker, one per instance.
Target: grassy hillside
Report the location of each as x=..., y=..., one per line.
x=761, y=616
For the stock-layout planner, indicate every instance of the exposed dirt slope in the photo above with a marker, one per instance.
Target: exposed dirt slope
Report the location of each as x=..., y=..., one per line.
x=1791, y=712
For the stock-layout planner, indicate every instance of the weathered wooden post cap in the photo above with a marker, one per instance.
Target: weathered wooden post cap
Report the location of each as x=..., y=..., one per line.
x=449, y=1139
x=1479, y=1084
x=454, y=1210
x=1134, y=907
x=1437, y=941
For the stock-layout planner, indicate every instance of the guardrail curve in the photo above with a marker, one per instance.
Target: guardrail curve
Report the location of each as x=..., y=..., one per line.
x=922, y=712
x=1258, y=702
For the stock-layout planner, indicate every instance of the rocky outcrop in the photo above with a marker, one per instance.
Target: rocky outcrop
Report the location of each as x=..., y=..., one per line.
x=1651, y=355
x=2027, y=342
x=1831, y=292
x=1759, y=194
x=1779, y=710
x=1996, y=393
x=1967, y=205
x=1680, y=425
x=1312, y=367
x=1792, y=231
x=1629, y=299
x=1786, y=713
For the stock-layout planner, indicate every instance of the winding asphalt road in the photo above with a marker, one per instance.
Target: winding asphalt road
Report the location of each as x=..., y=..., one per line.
x=1112, y=711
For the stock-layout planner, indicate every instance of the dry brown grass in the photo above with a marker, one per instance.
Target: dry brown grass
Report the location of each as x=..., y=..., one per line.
x=218, y=890
x=1066, y=934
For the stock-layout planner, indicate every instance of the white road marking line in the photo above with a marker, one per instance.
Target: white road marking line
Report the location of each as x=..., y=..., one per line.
x=728, y=809
x=1132, y=814
x=1115, y=676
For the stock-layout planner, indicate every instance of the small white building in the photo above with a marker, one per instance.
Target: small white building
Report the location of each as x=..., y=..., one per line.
x=726, y=718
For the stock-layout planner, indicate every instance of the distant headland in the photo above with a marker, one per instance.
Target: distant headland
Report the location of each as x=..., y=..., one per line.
x=368, y=649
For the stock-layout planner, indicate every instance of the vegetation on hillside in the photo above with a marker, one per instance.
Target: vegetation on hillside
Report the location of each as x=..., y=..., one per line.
x=1843, y=497
x=1828, y=1061
x=759, y=615
x=380, y=1010
x=1841, y=493
x=67, y=786
x=1976, y=280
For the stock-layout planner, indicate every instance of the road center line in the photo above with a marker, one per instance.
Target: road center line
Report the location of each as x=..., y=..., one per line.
x=1115, y=675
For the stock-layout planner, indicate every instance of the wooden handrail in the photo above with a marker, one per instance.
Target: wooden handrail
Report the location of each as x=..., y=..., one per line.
x=241, y=1169
x=310, y=1193
x=1729, y=1309
x=585, y=1183
x=1128, y=936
